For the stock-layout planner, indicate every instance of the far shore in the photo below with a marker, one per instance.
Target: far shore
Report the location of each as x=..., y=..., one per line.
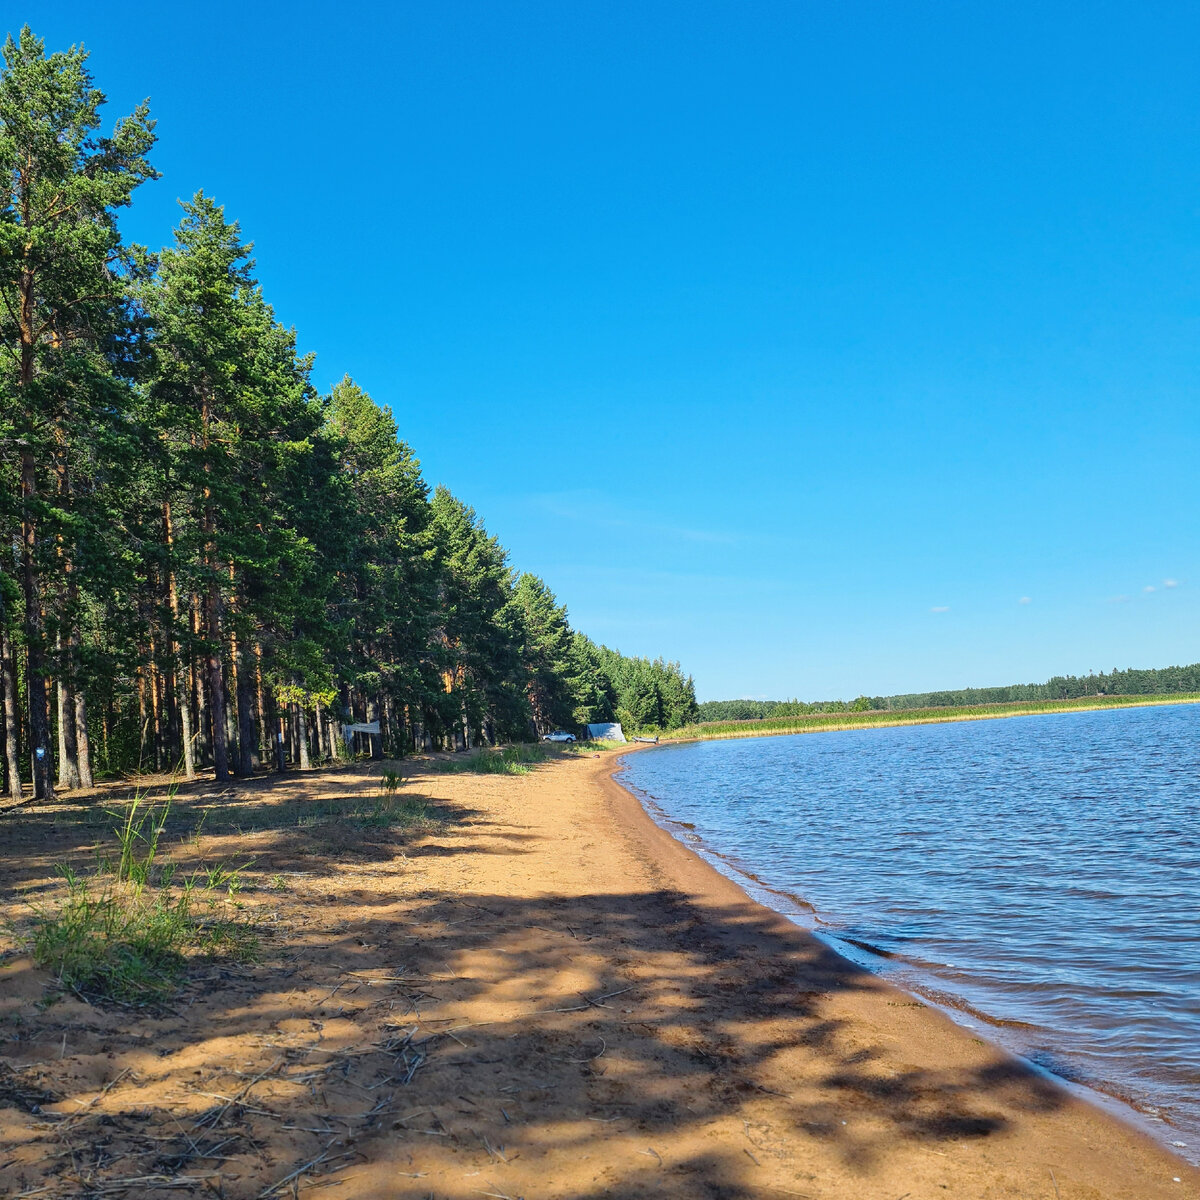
x=539, y=994
x=886, y=719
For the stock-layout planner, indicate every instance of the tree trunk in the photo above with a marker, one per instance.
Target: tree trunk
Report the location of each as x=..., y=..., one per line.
x=216, y=684
x=172, y=749
x=143, y=721
x=84, y=740
x=247, y=737
x=264, y=736
x=212, y=609
x=35, y=652
x=337, y=746
x=375, y=739
x=68, y=749
x=320, y=731
x=155, y=692
x=183, y=684
x=200, y=691
x=302, y=737
x=231, y=741
x=12, y=744
x=277, y=737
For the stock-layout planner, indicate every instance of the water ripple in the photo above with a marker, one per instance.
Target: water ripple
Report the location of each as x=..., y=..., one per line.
x=1039, y=872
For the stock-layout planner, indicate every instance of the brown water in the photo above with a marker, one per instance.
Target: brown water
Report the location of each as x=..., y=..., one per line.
x=1040, y=875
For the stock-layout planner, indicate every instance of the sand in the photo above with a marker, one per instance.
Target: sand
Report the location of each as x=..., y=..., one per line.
x=546, y=997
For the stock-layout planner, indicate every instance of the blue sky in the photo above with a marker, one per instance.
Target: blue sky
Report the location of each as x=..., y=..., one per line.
x=801, y=342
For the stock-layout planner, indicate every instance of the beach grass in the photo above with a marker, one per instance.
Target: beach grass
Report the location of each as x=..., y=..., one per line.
x=592, y=745
x=822, y=722
x=123, y=933
x=508, y=760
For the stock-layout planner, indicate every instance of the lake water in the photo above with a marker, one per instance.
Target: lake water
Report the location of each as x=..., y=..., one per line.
x=1039, y=875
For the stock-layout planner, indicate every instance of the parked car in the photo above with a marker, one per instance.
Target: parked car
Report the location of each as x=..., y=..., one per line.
x=559, y=735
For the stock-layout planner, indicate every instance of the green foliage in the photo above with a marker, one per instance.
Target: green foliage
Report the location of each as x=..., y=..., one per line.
x=137, y=833
x=548, y=653
x=648, y=695
x=200, y=536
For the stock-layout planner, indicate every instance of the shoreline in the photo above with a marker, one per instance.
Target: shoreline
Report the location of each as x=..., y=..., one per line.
x=542, y=994
x=836, y=726
x=1126, y=1119
x=919, y=985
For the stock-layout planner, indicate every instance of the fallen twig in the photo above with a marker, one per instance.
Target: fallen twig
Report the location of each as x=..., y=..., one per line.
x=112, y=1083
x=323, y=1157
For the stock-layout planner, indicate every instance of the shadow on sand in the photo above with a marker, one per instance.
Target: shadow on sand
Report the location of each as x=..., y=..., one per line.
x=618, y=1022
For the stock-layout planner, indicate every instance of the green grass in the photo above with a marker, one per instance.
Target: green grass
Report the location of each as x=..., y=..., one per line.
x=113, y=940
x=386, y=810
x=590, y=747
x=372, y=812
x=137, y=832
x=124, y=933
x=511, y=760
x=817, y=722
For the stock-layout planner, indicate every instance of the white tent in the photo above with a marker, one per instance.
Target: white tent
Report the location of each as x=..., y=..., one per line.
x=609, y=732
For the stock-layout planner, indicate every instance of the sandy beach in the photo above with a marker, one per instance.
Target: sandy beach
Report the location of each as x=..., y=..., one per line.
x=546, y=996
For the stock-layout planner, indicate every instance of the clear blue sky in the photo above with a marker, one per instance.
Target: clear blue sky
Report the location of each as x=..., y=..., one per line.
x=801, y=342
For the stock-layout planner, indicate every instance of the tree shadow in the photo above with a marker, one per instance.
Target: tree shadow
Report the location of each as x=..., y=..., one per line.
x=420, y=1041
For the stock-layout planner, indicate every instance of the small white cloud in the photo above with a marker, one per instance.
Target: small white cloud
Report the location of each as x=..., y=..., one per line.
x=1118, y=599
x=1149, y=588
x=1024, y=600
x=940, y=608
x=1170, y=583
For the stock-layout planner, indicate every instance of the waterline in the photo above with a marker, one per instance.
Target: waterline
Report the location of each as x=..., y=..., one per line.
x=1039, y=877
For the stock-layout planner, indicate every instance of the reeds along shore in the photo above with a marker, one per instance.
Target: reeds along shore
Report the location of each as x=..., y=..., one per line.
x=820, y=722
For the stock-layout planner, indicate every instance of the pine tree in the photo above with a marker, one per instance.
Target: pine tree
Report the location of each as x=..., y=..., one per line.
x=547, y=655
x=383, y=553
x=63, y=295
x=479, y=635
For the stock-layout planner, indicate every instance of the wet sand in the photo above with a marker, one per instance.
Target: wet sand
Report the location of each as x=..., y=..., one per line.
x=548, y=997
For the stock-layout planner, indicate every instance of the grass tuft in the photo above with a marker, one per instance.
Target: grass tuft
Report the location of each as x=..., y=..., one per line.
x=111, y=943
x=113, y=937
x=591, y=747
x=511, y=760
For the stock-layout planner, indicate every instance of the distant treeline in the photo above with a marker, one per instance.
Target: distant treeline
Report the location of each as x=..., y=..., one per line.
x=1132, y=682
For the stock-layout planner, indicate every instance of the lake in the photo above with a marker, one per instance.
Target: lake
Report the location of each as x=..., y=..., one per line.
x=1039, y=876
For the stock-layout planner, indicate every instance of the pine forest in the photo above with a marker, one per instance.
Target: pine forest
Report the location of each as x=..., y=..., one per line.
x=209, y=565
